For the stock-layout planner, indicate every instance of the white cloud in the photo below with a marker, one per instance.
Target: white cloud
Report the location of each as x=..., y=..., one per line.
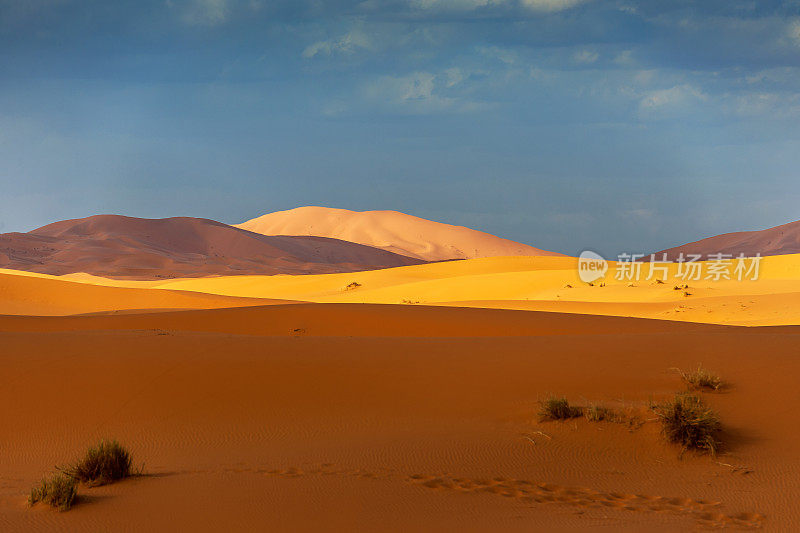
x=422, y=92
x=674, y=97
x=765, y=104
x=201, y=12
x=349, y=43
x=505, y=55
x=542, y=6
x=625, y=58
x=585, y=56
x=399, y=89
x=453, y=76
x=794, y=31
x=210, y=12
x=454, y=5
x=550, y=6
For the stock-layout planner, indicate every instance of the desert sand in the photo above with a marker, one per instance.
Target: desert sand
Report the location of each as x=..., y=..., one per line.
x=392, y=418
x=540, y=283
x=38, y=294
x=390, y=230
x=398, y=400
x=137, y=248
x=523, y=283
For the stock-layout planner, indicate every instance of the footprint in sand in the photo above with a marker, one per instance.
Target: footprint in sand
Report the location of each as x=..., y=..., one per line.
x=704, y=512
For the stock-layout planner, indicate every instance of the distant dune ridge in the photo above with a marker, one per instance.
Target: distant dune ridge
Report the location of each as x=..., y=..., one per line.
x=780, y=240
x=390, y=230
x=137, y=248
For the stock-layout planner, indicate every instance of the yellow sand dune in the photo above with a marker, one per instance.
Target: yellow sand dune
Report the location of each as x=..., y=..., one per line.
x=534, y=283
x=25, y=293
x=542, y=283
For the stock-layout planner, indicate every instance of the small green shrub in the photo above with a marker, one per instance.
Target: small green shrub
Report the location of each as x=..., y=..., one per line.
x=58, y=491
x=554, y=408
x=105, y=463
x=686, y=420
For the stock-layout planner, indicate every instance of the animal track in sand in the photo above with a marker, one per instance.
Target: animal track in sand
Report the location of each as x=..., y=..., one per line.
x=706, y=513
x=324, y=469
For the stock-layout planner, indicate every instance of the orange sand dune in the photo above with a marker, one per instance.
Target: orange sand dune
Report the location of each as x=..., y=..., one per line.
x=48, y=295
x=390, y=230
x=350, y=320
x=258, y=419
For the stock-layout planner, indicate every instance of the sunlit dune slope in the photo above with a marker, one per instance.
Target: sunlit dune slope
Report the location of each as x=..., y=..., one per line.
x=524, y=283
x=36, y=294
x=545, y=283
x=390, y=230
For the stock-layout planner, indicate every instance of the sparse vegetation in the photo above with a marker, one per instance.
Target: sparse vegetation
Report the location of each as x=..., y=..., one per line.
x=702, y=379
x=105, y=463
x=353, y=285
x=554, y=408
x=598, y=413
x=58, y=491
x=687, y=421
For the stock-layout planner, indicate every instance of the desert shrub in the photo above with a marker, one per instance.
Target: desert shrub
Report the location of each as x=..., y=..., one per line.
x=598, y=413
x=554, y=408
x=105, y=463
x=687, y=421
x=58, y=491
x=702, y=379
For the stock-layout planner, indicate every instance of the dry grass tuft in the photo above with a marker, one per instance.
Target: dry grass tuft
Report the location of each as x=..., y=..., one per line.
x=554, y=408
x=686, y=420
x=58, y=491
x=702, y=379
x=105, y=463
x=598, y=413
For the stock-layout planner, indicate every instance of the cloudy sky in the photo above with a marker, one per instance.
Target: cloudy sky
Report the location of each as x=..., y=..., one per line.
x=615, y=125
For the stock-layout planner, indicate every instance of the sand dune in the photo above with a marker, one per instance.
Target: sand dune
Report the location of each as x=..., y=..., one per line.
x=396, y=232
x=244, y=429
x=31, y=294
x=784, y=239
x=540, y=283
x=136, y=248
x=524, y=283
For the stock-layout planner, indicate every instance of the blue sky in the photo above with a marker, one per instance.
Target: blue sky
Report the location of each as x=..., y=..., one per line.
x=566, y=124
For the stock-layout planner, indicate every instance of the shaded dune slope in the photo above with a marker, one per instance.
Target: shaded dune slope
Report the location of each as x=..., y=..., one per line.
x=363, y=320
x=135, y=248
x=780, y=240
